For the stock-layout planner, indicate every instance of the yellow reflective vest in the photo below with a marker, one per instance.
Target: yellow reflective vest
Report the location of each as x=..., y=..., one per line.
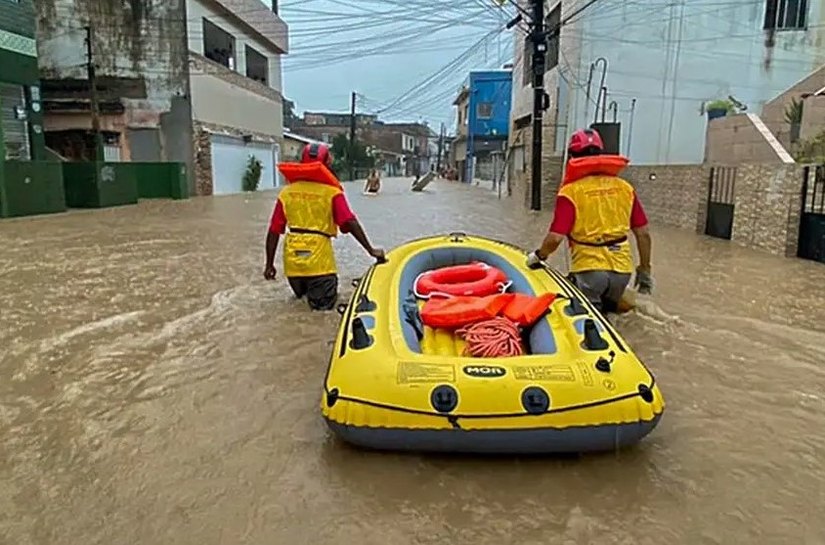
x=599, y=239
x=308, y=245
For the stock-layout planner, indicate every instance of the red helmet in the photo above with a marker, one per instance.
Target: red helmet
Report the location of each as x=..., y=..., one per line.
x=584, y=139
x=316, y=152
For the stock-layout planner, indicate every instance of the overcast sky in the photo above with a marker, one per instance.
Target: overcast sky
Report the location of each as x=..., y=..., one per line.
x=384, y=48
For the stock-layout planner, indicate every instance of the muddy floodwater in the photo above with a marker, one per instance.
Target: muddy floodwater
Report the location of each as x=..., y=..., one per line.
x=155, y=390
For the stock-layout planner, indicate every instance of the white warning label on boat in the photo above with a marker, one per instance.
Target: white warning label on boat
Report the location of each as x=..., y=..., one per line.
x=545, y=373
x=413, y=373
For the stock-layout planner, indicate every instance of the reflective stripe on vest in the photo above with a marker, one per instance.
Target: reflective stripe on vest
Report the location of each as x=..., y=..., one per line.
x=599, y=236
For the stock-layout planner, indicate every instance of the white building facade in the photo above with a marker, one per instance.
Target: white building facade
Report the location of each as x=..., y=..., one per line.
x=235, y=49
x=665, y=61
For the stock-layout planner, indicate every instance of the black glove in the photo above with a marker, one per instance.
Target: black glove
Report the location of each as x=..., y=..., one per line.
x=644, y=281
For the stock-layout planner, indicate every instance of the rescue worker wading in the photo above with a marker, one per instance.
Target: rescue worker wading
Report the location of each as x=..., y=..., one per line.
x=595, y=208
x=314, y=207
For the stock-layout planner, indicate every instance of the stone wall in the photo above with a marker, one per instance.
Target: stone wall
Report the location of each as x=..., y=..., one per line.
x=203, y=161
x=767, y=207
x=766, y=201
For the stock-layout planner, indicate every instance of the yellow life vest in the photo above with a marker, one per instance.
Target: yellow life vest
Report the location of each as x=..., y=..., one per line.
x=599, y=240
x=308, y=246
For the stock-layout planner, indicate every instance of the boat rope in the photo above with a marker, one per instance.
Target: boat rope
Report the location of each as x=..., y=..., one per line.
x=494, y=338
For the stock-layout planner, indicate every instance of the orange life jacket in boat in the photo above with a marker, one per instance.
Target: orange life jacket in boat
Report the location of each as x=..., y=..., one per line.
x=525, y=310
x=456, y=312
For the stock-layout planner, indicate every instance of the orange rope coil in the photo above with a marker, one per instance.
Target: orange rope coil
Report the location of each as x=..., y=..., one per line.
x=494, y=338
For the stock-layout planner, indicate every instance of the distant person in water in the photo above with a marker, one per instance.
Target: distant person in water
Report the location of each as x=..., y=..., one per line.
x=373, y=184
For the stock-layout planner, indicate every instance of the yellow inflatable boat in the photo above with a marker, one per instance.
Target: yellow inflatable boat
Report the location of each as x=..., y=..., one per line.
x=395, y=384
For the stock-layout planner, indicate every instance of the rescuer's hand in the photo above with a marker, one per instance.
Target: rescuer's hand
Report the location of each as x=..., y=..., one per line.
x=534, y=261
x=270, y=272
x=644, y=281
x=378, y=254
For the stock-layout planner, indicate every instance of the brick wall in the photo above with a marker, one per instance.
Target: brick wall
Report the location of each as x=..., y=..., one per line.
x=773, y=113
x=672, y=195
x=735, y=140
x=813, y=117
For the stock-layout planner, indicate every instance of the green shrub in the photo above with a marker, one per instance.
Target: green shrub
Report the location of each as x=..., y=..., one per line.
x=252, y=177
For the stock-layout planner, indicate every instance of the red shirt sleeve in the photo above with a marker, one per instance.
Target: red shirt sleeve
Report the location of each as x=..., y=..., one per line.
x=341, y=212
x=278, y=222
x=564, y=216
x=638, y=218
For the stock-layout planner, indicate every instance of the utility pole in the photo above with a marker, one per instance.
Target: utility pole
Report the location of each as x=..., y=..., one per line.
x=95, y=109
x=440, y=148
x=539, y=36
x=352, y=138
x=539, y=39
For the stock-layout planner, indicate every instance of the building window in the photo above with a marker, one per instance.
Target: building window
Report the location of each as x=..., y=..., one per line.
x=786, y=14
x=257, y=66
x=218, y=45
x=484, y=110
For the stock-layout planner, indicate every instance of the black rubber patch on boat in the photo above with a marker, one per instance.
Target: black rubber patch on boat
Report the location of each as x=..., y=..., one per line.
x=646, y=393
x=535, y=400
x=444, y=398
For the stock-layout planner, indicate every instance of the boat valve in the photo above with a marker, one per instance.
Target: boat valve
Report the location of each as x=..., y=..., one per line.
x=535, y=400
x=360, y=338
x=575, y=308
x=592, y=339
x=603, y=365
x=444, y=398
x=365, y=305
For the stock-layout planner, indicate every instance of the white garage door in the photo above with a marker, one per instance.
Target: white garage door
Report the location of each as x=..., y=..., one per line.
x=229, y=159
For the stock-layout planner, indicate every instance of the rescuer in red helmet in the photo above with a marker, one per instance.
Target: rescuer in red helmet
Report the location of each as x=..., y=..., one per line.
x=595, y=209
x=314, y=208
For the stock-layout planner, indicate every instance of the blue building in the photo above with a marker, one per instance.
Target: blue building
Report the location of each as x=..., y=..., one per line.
x=483, y=124
x=673, y=57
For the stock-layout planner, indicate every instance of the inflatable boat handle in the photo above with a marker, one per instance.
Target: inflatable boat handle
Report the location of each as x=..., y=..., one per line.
x=456, y=236
x=504, y=286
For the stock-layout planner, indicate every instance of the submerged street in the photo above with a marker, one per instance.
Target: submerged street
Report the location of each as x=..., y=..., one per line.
x=154, y=389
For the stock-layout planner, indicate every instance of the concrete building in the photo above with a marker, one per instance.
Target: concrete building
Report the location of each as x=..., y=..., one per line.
x=672, y=58
x=235, y=49
x=139, y=52
x=791, y=124
x=293, y=146
x=194, y=81
x=403, y=149
x=21, y=129
x=483, y=124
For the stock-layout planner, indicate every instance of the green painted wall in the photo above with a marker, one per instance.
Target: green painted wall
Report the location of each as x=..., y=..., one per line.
x=32, y=187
